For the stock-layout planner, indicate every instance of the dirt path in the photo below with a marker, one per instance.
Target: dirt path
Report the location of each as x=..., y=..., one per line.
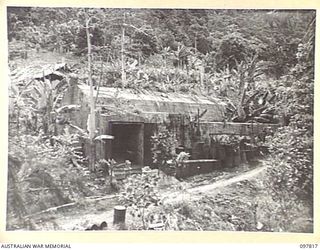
x=191, y=193
x=80, y=220
x=226, y=182
x=75, y=218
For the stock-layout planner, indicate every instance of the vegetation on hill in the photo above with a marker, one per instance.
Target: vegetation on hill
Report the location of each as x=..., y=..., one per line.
x=261, y=62
x=237, y=55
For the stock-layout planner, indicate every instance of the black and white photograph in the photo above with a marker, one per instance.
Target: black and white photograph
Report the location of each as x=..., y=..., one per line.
x=160, y=119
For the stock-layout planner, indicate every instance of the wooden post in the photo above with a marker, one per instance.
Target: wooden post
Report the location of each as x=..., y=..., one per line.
x=228, y=156
x=119, y=215
x=237, y=157
x=243, y=156
x=222, y=155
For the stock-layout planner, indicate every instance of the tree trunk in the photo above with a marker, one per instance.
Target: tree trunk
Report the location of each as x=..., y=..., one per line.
x=91, y=122
x=202, y=77
x=240, y=109
x=123, y=73
x=18, y=120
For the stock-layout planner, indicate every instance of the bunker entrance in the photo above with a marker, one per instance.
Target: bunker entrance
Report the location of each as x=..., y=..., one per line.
x=128, y=143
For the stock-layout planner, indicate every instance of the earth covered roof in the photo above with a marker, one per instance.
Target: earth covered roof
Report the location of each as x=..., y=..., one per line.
x=145, y=102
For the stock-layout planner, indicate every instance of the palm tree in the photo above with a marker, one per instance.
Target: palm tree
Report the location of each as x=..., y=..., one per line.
x=44, y=97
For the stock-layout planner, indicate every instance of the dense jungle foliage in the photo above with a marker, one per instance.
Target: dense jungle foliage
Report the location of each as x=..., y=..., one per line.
x=215, y=39
x=254, y=60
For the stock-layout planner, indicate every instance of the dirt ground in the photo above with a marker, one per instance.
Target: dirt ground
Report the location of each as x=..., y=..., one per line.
x=88, y=212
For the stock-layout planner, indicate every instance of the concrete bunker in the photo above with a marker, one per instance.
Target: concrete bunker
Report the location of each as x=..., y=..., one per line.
x=132, y=118
x=128, y=142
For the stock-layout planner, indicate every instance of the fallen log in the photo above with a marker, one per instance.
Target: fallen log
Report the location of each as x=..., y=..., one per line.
x=262, y=120
x=266, y=116
x=51, y=209
x=75, y=163
x=258, y=111
x=69, y=205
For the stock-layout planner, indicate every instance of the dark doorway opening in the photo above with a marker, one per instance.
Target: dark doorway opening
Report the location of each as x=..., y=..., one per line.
x=128, y=143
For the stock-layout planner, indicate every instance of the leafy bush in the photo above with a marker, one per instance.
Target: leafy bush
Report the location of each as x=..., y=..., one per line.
x=233, y=48
x=292, y=146
x=163, y=147
x=283, y=214
x=139, y=193
x=293, y=163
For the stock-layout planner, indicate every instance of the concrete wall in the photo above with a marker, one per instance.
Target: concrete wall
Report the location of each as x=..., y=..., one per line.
x=231, y=128
x=194, y=167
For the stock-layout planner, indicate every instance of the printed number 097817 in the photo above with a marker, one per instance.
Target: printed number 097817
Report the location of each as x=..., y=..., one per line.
x=308, y=245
